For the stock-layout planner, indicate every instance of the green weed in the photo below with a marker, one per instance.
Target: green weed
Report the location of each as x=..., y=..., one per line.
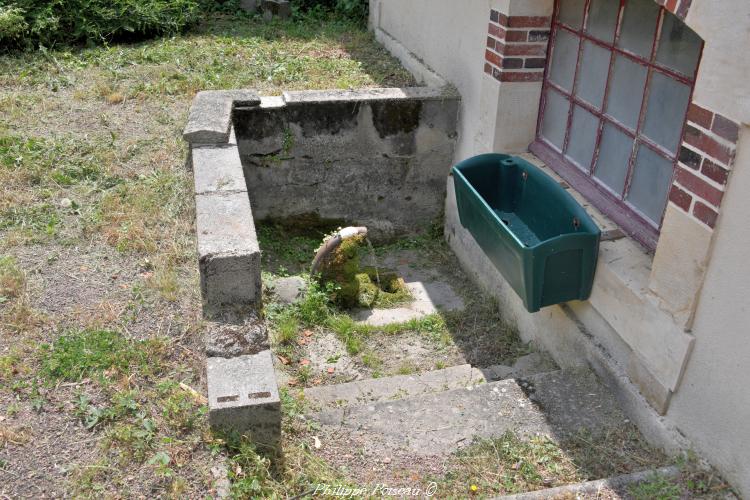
x=406, y=368
x=123, y=404
x=86, y=353
x=287, y=327
x=509, y=464
x=132, y=439
x=179, y=408
x=39, y=221
x=12, y=365
x=371, y=360
x=657, y=487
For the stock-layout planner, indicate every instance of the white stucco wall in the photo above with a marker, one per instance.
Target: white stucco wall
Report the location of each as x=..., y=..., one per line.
x=712, y=406
x=449, y=36
x=724, y=26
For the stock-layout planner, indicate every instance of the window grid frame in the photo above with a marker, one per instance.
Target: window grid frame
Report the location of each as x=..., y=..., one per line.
x=613, y=204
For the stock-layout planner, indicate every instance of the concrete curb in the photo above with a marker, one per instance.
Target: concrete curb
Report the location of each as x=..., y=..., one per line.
x=616, y=483
x=228, y=250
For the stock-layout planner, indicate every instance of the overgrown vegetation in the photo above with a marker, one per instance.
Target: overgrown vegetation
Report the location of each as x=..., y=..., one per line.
x=81, y=354
x=37, y=23
x=356, y=10
x=28, y=23
x=316, y=310
x=512, y=464
x=657, y=487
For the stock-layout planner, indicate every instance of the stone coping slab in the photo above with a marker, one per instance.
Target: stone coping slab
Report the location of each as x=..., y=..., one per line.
x=321, y=96
x=243, y=396
x=217, y=169
x=210, y=117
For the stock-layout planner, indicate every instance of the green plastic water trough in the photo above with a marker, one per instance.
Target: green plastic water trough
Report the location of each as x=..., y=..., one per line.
x=534, y=232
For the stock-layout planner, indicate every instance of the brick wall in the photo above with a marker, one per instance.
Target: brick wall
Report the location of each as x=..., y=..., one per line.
x=706, y=157
x=516, y=47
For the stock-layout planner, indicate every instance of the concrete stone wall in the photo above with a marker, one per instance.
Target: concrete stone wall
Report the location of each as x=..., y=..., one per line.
x=373, y=157
x=228, y=251
x=712, y=406
x=443, y=35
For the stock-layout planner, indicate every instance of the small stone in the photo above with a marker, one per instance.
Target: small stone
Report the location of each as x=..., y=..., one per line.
x=288, y=290
x=331, y=370
x=387, y=460
x=66, y=203
x=229, y=340
x=305, y=362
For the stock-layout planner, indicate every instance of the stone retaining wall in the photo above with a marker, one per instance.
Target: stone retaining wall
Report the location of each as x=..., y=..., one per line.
x=374, y=157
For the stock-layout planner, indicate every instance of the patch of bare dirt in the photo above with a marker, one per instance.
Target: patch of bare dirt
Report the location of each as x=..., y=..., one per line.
x=40, y=466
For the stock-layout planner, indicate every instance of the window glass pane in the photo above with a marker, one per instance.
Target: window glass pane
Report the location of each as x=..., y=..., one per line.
x=665, y=112
x=555, y=118
x=582, y=137
x=571, y=12
x=564, y=59
x=638, y=26
x=614, y=153
x=679, y=46
x=626, y=91
x=652, y=178
x=602, y=19
x=592, y=77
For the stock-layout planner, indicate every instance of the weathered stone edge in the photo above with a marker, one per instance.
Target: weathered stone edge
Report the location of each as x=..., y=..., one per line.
x=240, y=251
x=210, y=116
x=374, y=94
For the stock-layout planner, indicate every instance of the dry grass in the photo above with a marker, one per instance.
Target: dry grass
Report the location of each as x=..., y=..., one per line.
x=13, y=435
x=16, y=312
x=92, y=169
x=12, y=279
x=512, y=464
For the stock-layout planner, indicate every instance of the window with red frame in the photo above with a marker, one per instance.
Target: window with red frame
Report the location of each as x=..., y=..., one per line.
x=617, y=86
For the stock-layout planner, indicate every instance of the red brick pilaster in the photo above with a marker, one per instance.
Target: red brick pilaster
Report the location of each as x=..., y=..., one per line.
x=706, y=157
x=679, y=8
x=516, y=47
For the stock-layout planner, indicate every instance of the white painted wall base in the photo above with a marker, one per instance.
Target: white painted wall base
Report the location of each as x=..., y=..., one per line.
x=574, y=335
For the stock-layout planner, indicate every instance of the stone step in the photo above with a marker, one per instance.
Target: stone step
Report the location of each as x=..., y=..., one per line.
x=368, y=391
x=556, y=404
x=396, y=387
